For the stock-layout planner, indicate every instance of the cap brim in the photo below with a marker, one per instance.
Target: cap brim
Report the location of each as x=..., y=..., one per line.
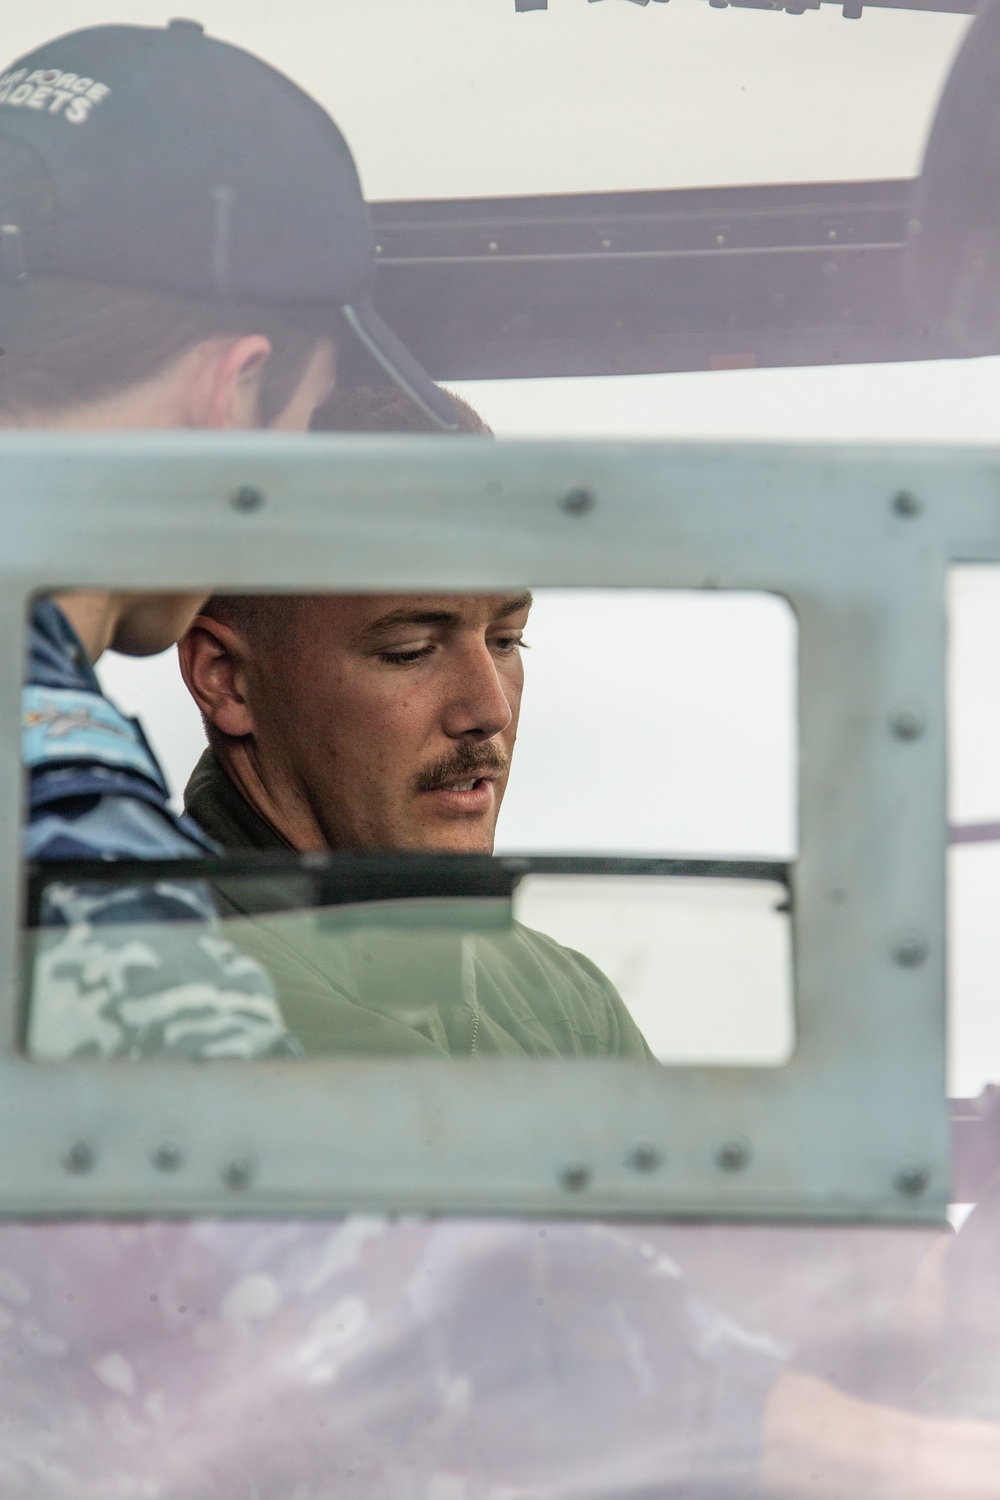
x=398, y=363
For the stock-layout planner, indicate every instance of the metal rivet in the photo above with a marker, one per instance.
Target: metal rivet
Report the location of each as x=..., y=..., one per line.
x=167, y=1157
x=907, y=724
x=378, y=249
x=720, y=239
x=247, y=497
x=909, y=948
x=906, y=503
x=605, y=244
x=577, y=502
x=733, y=1156
x=912, y=1181
x=644, y=1158
x=79, y=1158
x=493, y=247
x=575, y=1177
x=238, y=1173
x=831, y=235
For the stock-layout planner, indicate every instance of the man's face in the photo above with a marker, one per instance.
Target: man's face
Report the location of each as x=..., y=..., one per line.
x=393, y=716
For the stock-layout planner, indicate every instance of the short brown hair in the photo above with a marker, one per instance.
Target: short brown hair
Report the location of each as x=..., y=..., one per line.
x=66, y=343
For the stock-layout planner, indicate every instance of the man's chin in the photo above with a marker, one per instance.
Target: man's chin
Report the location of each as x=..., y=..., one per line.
x=452, y=839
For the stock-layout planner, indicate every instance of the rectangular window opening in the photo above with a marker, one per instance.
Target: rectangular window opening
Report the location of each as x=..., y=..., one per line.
x=472, y=826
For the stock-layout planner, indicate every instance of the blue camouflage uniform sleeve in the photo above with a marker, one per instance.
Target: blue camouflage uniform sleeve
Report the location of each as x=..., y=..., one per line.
x=135, y=970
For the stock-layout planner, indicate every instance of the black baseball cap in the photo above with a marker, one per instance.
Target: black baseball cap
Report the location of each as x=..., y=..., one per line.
x=163, y=159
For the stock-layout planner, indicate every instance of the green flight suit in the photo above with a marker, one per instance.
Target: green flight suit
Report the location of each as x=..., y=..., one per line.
x=398, y=986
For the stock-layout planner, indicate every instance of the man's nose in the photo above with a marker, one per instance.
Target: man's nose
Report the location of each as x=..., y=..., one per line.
x=477, y=705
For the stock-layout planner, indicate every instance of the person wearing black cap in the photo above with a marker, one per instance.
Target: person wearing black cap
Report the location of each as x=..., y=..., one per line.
x=166, y=162
x=183, y=243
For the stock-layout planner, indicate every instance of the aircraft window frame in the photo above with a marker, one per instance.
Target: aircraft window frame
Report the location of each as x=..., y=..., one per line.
x=857, y=541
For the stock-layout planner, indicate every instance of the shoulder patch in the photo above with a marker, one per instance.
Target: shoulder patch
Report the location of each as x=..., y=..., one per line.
x=68, y=724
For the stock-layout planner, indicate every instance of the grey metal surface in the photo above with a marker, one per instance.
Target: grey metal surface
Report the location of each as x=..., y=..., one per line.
x=857, y=539
x=632, y=282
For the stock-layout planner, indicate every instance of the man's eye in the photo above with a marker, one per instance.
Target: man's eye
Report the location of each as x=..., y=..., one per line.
x=508, y=644
x=402, y=656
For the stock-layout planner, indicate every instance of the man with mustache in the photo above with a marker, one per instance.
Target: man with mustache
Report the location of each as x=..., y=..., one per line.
x=377, y=722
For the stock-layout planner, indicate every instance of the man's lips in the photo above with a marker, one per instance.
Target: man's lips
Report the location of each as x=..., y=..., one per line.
x=468, y=795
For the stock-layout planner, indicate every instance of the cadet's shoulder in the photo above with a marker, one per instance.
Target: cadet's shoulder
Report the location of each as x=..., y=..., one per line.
x=114, y=823
x=95, y=788
x=56, y=657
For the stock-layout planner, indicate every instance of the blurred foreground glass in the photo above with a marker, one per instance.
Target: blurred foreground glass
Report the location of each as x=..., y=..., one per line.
x=703, y=964
x=459, y=956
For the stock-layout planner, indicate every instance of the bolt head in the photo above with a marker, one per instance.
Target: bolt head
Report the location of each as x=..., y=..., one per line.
x=907, y=724
x=912, y=1181
x=578, y=502
x=906, y=503
x=167, y=1157
x=733, y=1156
x=644, y=1158
x=79, y=1158
x=238, y=1173
x=248, y=497
x=575, y=1177
x=909, y=948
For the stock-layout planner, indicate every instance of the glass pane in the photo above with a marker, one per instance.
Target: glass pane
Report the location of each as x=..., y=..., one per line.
x=410, y=957
x=372, y=1357
x=704, y=966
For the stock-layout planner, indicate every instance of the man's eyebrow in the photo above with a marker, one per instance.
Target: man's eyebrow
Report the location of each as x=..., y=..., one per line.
x=514, y=605
x=404, y=616
x=417, y=616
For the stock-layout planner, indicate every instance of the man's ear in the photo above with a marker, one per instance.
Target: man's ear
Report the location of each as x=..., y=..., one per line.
x=225, y=393
x=212, y=659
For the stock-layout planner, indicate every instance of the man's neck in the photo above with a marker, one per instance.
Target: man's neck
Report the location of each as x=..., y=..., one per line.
x=94, y=616
x=288, y=814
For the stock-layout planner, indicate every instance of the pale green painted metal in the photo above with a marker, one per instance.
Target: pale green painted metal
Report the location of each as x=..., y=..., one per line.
x=854, y=1128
